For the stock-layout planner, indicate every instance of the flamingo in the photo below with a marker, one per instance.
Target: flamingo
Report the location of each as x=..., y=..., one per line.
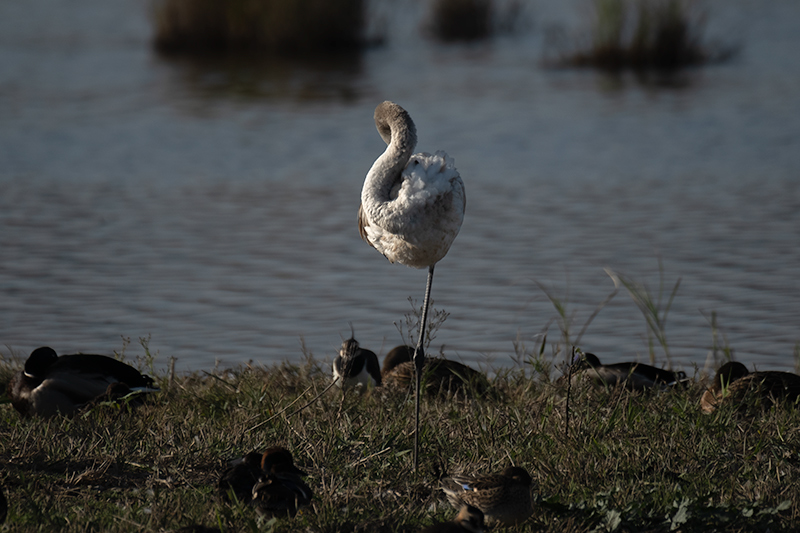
x=412, y=207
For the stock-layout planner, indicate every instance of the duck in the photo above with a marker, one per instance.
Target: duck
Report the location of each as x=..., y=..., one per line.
x=269, y=481
x=50, y=385
x=356, y=367
x=733, y=383
x=633, y=375
x=439, y=375
x=280, y=489
x=240, y=476
x=504, y=498
x=469, y=520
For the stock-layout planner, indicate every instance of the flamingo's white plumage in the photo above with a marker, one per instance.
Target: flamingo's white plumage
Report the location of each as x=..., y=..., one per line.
x=412, y=207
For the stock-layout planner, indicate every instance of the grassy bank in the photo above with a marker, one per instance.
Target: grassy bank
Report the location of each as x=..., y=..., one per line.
x=626, y=461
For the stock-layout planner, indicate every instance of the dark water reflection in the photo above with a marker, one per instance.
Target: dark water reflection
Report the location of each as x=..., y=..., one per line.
x=258, y=77
x=212, y=206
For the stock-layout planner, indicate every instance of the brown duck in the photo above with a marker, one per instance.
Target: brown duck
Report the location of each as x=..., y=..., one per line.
x=439, y=375
x=504, y=497
x=733, y=383
x=270, y=482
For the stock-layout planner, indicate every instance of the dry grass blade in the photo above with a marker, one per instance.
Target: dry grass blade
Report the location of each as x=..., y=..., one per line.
x=565, y=319
x=654, y=311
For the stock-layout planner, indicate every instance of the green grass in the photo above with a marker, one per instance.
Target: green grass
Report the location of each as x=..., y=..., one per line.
x=629, y=462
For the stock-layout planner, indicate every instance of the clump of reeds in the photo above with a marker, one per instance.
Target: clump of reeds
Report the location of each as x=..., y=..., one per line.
x=474, y=20
x=461, y=20
x=645, y=34
x=282, y=26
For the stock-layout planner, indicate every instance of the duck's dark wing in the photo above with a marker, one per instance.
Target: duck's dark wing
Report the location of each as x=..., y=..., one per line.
x=638, y=375
x=101, y=365
x=373, y=367
x=348, y=367
x=658, y=375
x=766, y=387
x=240, y=478
x=397, y=356
x=454, y=376
x=303, y=493
x=275, y=497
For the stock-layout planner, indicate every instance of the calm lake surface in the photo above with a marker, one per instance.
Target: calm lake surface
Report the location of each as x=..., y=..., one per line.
x=212, y=207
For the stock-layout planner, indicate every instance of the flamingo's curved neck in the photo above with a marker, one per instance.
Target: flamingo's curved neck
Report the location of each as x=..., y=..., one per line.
x=398, y=130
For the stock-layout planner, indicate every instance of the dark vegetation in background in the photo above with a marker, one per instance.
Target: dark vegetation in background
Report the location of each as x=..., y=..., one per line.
x=641, y=35
x=461, y=20
x=638, y=35
x=276, y=26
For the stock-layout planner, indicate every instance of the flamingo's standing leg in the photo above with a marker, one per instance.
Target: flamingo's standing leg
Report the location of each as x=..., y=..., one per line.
x=419, y=361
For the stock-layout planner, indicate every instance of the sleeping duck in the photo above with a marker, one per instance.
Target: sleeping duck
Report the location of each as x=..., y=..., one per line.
x=439, y=375
x=270, y=482
x=51, y=385
x=503, y=498
x=734, y=384
x=633, y=375
x=280, y=490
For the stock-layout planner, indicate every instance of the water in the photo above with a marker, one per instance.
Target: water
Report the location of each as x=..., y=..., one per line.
x=212, y=207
